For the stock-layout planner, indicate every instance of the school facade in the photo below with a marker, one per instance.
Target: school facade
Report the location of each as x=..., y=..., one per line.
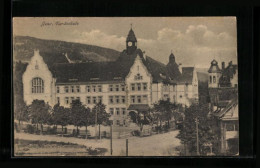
x=131, y=83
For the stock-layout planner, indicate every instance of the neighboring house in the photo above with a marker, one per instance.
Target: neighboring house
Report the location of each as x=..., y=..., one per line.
x=133, y=82
x=223, y=92
x=222, y=83
x=229, y=128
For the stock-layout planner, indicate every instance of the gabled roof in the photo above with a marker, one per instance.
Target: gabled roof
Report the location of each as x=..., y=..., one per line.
x=230, y=112
x=157, y=69
x=85, y=72
x=187, y=75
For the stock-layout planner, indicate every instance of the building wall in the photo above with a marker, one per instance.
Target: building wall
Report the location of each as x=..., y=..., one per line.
x=139, y=76
x=234, y=80
x=105, y=93
x=38, y=69
x=213, y=84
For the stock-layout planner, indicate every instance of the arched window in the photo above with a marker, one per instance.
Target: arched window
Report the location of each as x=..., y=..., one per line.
x=210, y=79
x=37, y=85
x=214, y=79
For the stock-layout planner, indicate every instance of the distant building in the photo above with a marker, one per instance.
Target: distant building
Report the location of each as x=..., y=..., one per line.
x=131, y=83
x=223, y=92
x=222, y=83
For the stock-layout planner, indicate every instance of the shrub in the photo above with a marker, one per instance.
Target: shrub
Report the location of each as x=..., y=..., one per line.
x=30, y=129
x=51, y=130
x=136, y=133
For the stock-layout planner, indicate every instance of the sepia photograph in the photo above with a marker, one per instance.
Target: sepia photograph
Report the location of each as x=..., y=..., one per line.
x=125, y=86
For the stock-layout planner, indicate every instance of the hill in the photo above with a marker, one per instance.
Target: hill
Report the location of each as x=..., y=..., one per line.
x=54, y=51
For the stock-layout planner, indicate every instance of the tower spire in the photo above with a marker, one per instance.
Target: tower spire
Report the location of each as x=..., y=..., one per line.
x=131, y=25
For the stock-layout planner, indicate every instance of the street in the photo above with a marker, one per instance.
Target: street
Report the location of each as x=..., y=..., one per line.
x=155, y=145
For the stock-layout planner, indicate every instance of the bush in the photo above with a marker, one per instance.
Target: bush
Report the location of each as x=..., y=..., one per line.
x=30, y=129
x=51, y=131
x=16, y=127
x=136, y=133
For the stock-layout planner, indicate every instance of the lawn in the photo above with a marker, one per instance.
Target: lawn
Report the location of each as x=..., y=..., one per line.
x=52, y=148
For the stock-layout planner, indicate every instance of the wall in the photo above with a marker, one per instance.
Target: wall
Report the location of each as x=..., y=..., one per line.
x=138, y=68
x=42, y=72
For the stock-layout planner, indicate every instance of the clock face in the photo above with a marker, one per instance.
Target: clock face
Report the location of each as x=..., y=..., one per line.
x=129, y=43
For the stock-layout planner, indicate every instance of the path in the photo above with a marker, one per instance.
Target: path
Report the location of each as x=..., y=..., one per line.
x=156, y=145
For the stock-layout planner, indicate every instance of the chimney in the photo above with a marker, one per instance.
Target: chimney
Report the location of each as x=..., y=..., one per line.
x=144, y=55
x=180, y=68
x=223, y=65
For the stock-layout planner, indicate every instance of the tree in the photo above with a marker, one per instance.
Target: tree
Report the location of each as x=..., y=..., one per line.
x=39, y=113
x=141, y=118
x=188, y=131
x=166, y=110
x=79, y=114
x=60, y=115
x=99, y=111
x=21, y=111
x=20, y=108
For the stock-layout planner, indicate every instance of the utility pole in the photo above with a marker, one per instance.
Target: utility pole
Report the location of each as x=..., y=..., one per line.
x=126, y=143
x=111, y=149
x=197, y=129
x=96, y=125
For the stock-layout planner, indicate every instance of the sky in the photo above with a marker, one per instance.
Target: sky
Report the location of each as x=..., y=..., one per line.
x=193, y=40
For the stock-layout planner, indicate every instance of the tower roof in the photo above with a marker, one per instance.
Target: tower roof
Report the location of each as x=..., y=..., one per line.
x=131, y=36
x=214, y=67
x=171, y=56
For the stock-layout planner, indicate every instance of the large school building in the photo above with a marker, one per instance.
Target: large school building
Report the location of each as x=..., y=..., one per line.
x=131, y=83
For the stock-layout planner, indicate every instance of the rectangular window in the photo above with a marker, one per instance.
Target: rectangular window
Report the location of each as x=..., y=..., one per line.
x=94, y=88
x=66, y=100
x=123, y=111
x=145, y=100
x=124, y=122
x=138, y=99
x=99, y=88
x=71, y=99
x=88, y=88
x=94, y=100
x=117, y=111
x=111, y=99
x=72, y=89
x=78, y=89
x=100, y=99
x=123, y=99
x=144, y=86
x=58, y=89
x=117, y=88
x=133, y=86
x=111, y=110
x=133, y=99
x=122, y=87
x=88, y=100
x=58, y=100
x=111, y=88
x=66, y=89
x=117, y=99
x=117, y=122
x=138, y=86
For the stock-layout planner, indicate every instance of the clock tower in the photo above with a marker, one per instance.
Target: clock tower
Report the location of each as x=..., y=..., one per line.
x=131, y=42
